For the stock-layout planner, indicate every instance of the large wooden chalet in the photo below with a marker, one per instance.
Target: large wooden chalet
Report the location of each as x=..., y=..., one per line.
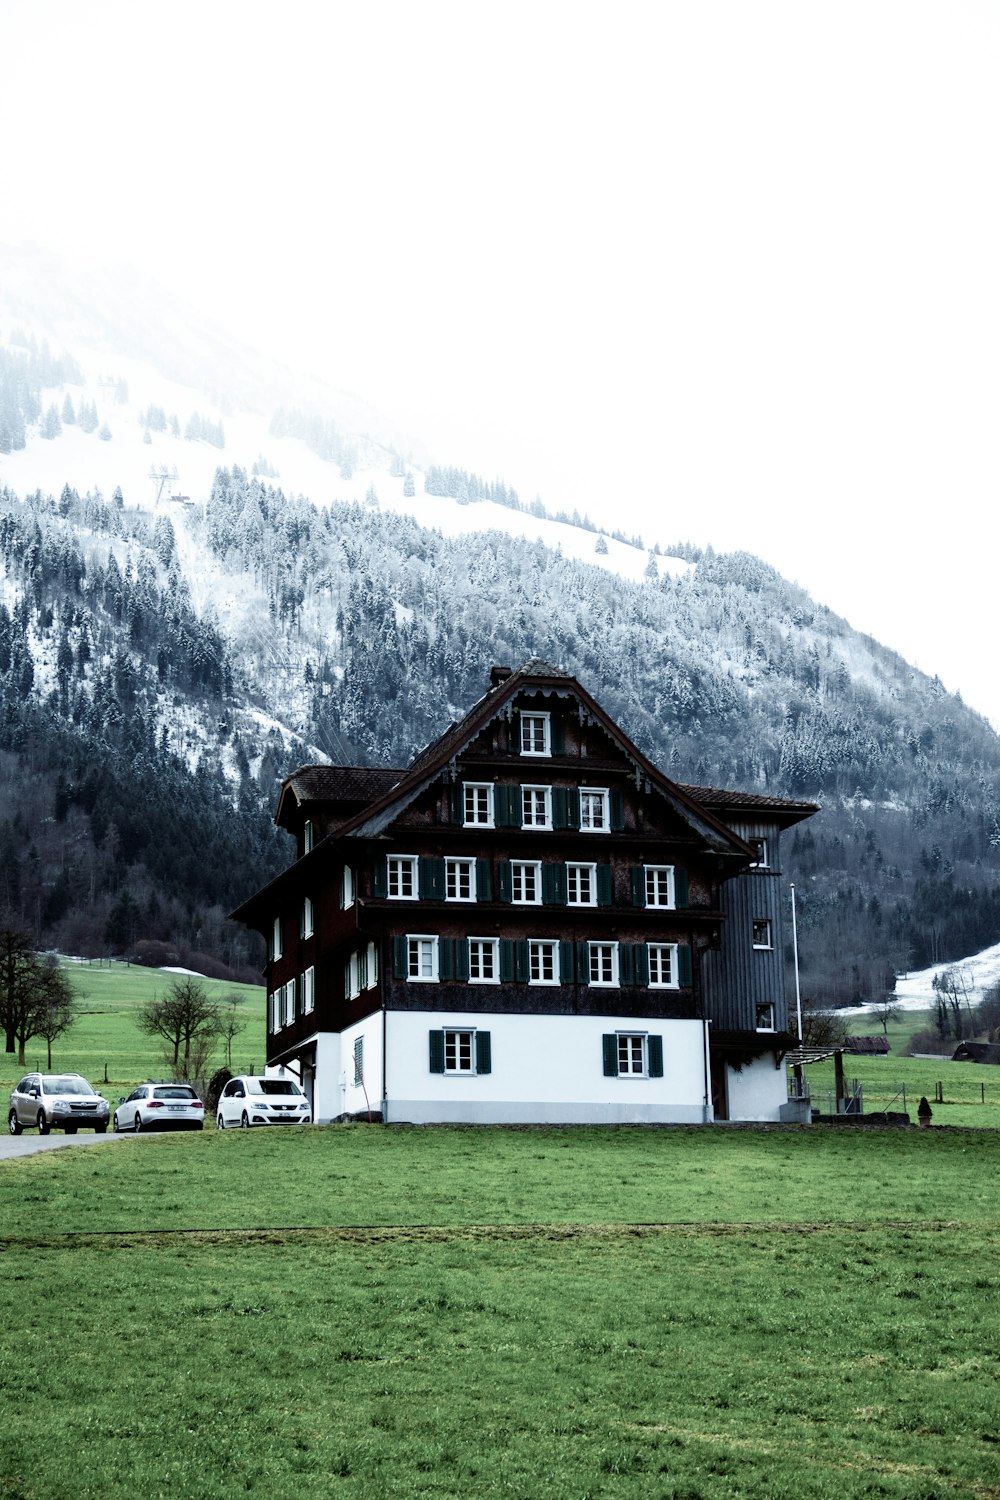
x=530, y=923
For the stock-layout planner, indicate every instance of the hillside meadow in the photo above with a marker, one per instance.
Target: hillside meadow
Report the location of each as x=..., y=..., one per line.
x=106, y=1045
x=683, y=1313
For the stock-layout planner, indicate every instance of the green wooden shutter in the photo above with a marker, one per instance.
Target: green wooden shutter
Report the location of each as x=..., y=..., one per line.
x=462, y=959
x=522, y=961
x=456, y=803
x=560, y=807
x=506, y=960
x=605, y=887
x=684, y=965
x=626, y=963
x=557, y=732
x=507, y=806
x=567, y=966
x=484, y=884
x=379, y=885
x=680, y=886
x=504, y=881
x=400, y=958
x=582, y=962
x=430, y=871
x=641, y=963
x=573, y=807
x=553, y=885
x=446, y=958
x=654, y=1051
x=610, y=1043
x=436, y=1039
x=638, y=885
x=617, y=801
x=484, y=1053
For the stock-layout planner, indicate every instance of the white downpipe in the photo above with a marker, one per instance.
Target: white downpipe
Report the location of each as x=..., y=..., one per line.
x=707, y=1107
x=795, y=956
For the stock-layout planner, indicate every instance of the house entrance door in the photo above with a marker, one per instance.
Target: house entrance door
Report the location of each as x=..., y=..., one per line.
x=720, y=1097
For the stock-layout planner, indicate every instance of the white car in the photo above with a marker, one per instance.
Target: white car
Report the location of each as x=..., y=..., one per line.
x=261, y=1100
x=160, y=1106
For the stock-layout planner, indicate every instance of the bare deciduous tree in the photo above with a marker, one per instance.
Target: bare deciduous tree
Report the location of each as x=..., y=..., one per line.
x=187, y=1021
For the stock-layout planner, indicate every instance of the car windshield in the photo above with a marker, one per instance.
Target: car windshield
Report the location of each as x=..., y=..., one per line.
x=68, y=1085
x=173, y=1092
x=274, y=1086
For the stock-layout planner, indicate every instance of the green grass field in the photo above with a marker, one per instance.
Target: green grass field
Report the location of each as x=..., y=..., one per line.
x=574, y=1313
x=106, y=1046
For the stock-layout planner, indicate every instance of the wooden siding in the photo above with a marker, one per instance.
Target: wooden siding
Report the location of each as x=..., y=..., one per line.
x=738, y=976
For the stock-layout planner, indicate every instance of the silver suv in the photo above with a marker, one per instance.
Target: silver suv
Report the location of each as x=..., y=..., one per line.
x=62, y=1101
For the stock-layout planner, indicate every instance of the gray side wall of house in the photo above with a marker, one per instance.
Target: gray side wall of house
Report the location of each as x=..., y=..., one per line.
x=738, y=975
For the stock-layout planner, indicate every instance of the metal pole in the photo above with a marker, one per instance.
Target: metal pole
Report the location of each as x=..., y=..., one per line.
x=795, y=954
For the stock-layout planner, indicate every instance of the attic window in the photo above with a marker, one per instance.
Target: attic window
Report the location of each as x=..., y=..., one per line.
x=536, y=734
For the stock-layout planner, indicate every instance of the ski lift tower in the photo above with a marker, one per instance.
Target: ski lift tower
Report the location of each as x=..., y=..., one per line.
x=164, y=477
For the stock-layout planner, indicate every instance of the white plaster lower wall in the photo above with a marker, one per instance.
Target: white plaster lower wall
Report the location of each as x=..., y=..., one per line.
x=545, y=1070
x=333, y=1087
x=757, y=1091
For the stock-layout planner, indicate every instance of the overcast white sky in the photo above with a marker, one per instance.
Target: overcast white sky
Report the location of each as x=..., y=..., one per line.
x=726, y=272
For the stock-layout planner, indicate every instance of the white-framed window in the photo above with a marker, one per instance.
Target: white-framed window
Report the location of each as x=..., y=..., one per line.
x=458, y=1051
x=631, y=1055
x=594, y=809
x=762, y=860
x=543, y=961
x=352, y=981
x=484, y=960
x=525, y=882
x=765, y=1015
x=477, y=803
x=359, y=1061
x=460, y=879
x=762, y=932
x=603, y=964
x=659, y=880
x=347, y=888
x=370, y=976
x=308, y=982
x=536, y=734
x=536, y=807
x=663, y=971
x=308, y=920
x=581, y=885
x=422, y=959
x=277, y=946
x=289, y=1005
x=274, y=1009
x=401, y=877
x=308, y=835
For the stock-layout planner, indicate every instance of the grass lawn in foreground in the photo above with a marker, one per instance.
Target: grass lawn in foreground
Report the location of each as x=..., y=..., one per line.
x=801, y=1313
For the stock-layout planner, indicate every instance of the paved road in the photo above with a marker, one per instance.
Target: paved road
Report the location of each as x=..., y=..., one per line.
x=31, y=1141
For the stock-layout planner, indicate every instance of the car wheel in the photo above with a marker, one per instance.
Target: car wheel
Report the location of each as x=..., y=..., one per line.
x=43, y=1125
x=114, y=1123
x=13, y=1123
x=220, y=1123
x=245, y=1122
x=137, y=1123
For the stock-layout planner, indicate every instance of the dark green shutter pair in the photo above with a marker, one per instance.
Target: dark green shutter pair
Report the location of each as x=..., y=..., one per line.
x=484, y=1052
x=431, y=878
x=565, y=807
x=639, y=886
x=633, y=965
x=453, y=959
x=507, y=806
x=654, y=1055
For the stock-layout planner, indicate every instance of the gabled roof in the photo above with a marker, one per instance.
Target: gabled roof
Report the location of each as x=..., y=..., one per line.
x=350, y=787
x=541, y=678
x=784, y=810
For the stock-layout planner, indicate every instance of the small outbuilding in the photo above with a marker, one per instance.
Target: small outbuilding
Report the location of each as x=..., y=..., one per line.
x=977, y=1052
